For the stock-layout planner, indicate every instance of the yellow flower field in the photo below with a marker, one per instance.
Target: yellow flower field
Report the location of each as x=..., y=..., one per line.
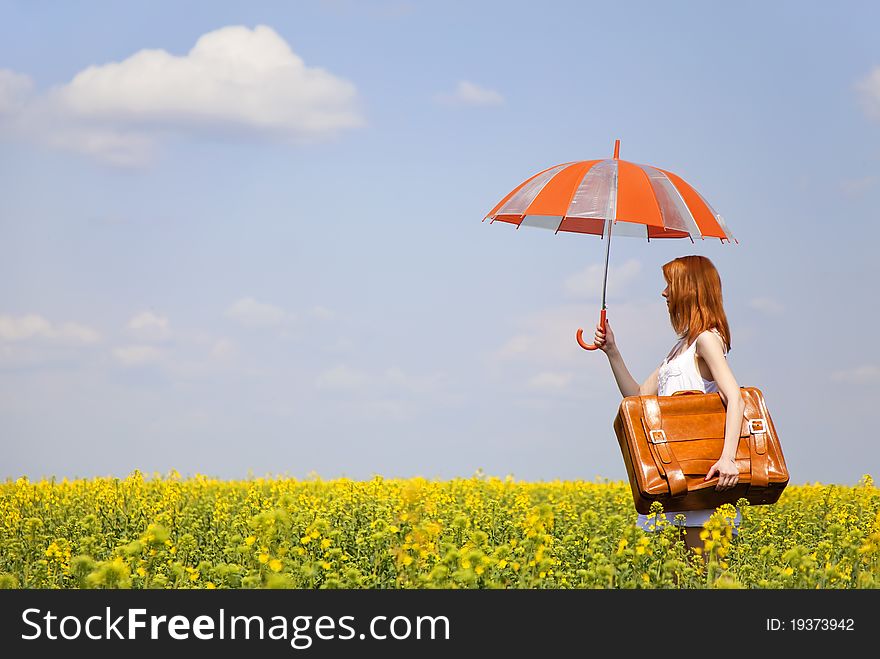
x=481, y=532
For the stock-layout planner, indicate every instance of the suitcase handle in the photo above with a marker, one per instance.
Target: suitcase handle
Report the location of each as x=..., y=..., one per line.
x=687, y=392
x=580, y=333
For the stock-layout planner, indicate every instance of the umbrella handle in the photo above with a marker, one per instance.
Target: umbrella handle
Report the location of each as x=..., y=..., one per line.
x=580, y=333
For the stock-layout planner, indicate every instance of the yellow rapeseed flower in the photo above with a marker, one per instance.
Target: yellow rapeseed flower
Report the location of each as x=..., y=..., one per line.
x=564, y=530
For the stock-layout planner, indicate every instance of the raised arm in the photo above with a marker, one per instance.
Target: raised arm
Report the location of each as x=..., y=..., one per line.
x=625, y=381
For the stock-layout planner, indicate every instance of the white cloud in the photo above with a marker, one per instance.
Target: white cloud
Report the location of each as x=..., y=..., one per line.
x=193, y=354
x=395, y=377
x=588, y=282
x=222, y=349
x=868, y=89
x=251, y=313
x=468, y=93
x=767, y=305
x=516, y=345
x=867, y=374
x=147, y=326
x=111, y=146
x=234, y=81
x=33, y=326
x=323, y=313
x=342, y=377
x=388, y=395
x=137, y=355
x=551, y=381
x=546, y=338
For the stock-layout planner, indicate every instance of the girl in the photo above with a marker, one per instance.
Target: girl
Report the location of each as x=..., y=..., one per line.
x=697, y=361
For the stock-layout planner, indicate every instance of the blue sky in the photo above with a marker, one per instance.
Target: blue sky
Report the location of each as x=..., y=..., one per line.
x=246, y=237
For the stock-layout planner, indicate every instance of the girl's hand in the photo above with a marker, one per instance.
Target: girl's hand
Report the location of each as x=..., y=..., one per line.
x=728, y=474
x=605, y=340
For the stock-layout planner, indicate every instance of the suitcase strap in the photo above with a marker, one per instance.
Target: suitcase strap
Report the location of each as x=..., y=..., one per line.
x=758, y=453
x=660, y=447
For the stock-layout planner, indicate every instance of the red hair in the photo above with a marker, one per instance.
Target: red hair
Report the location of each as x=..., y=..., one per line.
x=695, y=302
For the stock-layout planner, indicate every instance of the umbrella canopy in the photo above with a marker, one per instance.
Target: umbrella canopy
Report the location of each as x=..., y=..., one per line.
x=602, y=197
x=579, y=197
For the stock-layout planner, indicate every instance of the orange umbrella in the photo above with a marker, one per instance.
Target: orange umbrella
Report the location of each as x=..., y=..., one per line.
x=596, y=196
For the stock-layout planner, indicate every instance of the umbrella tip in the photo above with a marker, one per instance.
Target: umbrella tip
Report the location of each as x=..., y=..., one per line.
x=616, y=149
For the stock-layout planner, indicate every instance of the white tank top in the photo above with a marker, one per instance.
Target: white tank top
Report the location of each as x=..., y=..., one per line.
x=682, y=373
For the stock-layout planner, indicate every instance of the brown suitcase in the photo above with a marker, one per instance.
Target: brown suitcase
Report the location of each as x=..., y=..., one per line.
x=669, y=443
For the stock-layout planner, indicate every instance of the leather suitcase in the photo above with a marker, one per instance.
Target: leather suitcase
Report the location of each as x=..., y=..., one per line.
x=669, y=443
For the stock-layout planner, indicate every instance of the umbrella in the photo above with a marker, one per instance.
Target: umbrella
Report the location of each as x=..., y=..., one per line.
x=603, y=196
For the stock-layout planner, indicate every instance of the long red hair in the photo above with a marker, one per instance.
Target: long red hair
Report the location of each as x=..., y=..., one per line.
x=695, y=302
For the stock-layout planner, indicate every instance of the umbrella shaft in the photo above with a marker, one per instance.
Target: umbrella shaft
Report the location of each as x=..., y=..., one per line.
x=607, y=250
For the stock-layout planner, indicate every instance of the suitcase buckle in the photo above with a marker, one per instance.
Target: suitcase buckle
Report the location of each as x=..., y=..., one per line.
x=662, y=436
x=757, y=426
